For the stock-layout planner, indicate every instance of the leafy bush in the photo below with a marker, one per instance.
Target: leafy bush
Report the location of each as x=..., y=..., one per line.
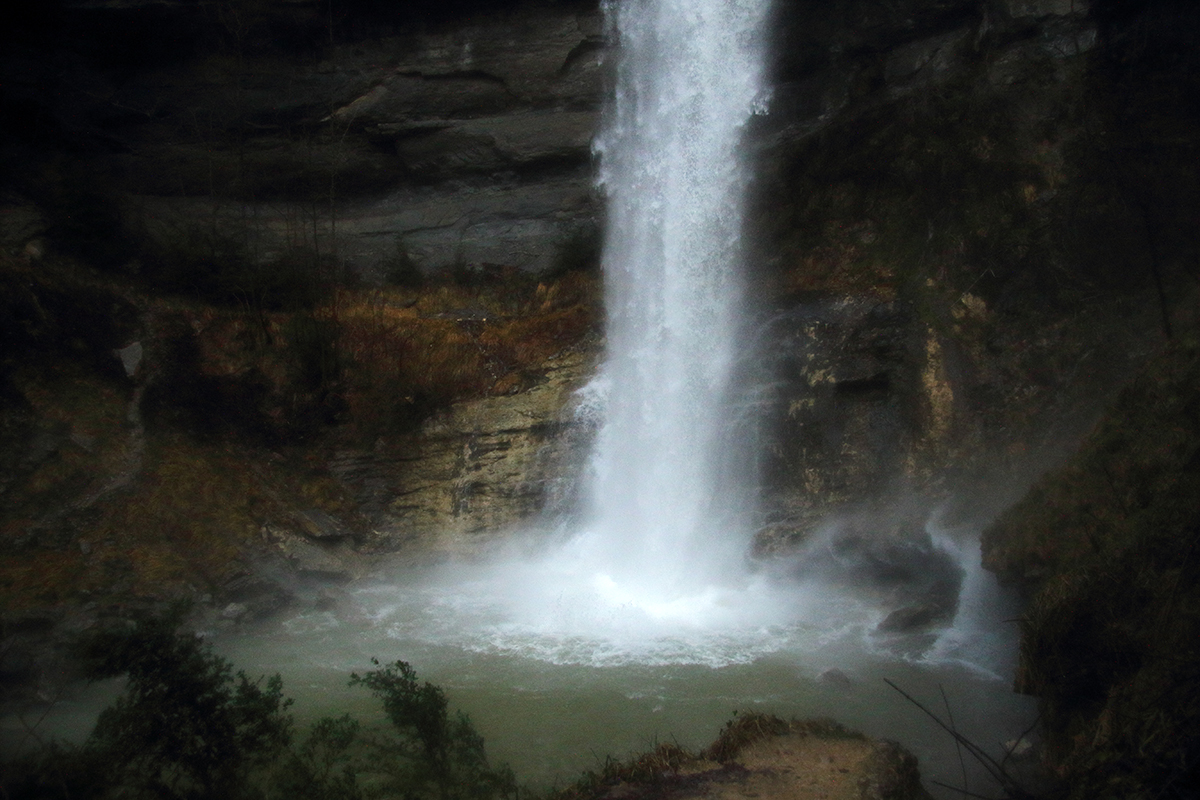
x=430, y=753
x=188, y=727
x=1107, y=547
x=322, y=768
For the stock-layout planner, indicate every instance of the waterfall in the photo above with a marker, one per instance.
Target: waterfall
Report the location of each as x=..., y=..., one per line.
x=654, y=567
x=642, y=620
x=689, y=75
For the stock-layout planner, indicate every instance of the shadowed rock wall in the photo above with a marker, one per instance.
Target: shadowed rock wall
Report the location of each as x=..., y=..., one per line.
x=968, y=229
x=271, y=132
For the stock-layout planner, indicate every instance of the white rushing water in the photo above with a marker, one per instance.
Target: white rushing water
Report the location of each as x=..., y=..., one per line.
x=658, y=551
x=689, y=76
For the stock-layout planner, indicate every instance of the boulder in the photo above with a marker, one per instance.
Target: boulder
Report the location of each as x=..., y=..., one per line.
x=764, y=757
x=130, y=357
x=915, y=617
x=254, y=594
x=891, y=559
x=311, y=560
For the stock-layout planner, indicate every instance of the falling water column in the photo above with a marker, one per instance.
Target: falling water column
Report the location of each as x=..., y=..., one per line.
x=689, y=76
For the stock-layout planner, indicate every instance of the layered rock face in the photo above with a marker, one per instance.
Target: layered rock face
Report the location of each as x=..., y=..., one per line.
x=263, y=154
x=470, y=474
x=437, y=145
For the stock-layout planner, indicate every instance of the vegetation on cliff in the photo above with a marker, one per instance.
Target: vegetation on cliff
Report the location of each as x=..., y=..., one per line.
x=1109, y=549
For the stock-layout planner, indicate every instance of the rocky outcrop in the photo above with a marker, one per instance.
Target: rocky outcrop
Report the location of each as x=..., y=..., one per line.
x=766, y=757
x=951, y=266
x=930, y=212
x=938, y=315
x=932, y=318
x=474, y=471
x=848, y=401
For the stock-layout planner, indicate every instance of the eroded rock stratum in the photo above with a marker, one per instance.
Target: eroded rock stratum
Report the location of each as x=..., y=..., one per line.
x=964, y=233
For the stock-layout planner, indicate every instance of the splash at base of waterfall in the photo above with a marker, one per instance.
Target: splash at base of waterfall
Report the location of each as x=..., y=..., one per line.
x=557, y=607
x=558, y=662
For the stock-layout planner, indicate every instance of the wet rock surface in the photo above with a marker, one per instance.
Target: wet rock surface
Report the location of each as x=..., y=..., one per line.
x=916, y=300
x=886, y=557
x=475, y=470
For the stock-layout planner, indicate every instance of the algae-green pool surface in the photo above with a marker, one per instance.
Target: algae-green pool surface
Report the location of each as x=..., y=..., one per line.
x=558, y=679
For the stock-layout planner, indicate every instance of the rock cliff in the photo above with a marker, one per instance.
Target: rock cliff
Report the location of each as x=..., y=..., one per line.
x=954, y=236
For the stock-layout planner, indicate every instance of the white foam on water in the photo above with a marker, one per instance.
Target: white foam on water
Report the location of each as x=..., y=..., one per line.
x=568, y=612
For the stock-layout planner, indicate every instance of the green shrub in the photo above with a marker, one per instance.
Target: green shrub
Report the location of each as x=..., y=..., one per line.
x=323, y=767
x=430, y=753
x=188, y=727
x=185, y=726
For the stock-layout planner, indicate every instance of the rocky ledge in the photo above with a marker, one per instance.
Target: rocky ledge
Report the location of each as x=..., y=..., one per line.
x=761, y=756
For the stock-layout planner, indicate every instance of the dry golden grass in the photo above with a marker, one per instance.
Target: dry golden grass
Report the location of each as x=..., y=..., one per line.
x=183, y=525
x=403, y=353
x=186, y=519
x=647, y=768
x=384, y=358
